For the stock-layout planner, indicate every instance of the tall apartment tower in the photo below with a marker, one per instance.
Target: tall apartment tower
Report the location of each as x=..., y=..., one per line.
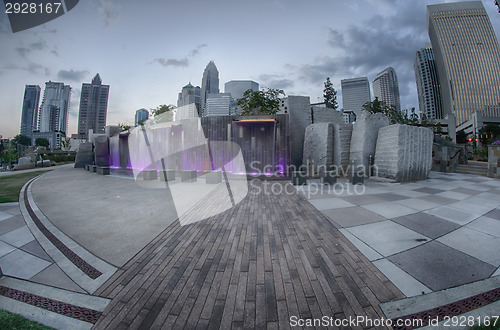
x=386, y=88
x=93, y=107
x=238, y=87
x=29, y=116
x=467, y=58
x=209, y=83
x=428, y=87
x=54, y=110
x=355, y=93
x=53, y=114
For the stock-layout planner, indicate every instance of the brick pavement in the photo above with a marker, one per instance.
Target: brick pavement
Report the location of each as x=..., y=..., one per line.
x=254, y=266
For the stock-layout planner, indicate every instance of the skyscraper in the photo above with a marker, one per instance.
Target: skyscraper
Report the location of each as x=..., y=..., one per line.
x=467, y=58
x=428, y=88
x=93, y=107
x=220, y=104
x=355, y=93
x=53, y=114
x=29, y=116
x=209, y=82
x=238, y=87
x=188, y=95
x=141, y=115
x=386, y=88
x=55, y=107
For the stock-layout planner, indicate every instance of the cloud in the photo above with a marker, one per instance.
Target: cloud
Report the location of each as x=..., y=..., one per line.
x=276, y=81
x=108, y=10
x=35, y=46
x=371, y=46
x=196, y=51
x=180, y=63
x=172, y=62
x=33, y=68
x=72, y=75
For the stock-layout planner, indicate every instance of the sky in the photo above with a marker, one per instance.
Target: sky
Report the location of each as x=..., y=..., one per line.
x=148, y=50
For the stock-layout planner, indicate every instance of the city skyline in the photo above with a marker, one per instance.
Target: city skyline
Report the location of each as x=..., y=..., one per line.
x=144, y=72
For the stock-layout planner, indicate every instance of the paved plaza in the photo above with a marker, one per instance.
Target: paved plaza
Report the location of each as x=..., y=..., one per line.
x=381, y=250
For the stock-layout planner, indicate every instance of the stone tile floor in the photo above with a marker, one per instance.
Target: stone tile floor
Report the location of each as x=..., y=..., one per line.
x=22, y=256
x=424, y=236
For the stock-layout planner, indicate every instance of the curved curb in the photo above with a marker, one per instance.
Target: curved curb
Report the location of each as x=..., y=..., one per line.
x=80, y=261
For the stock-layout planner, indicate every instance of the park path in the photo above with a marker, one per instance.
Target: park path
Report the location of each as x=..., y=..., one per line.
x=267, y=260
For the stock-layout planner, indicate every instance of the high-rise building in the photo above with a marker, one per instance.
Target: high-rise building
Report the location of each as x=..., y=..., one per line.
x=209, y=82
x=238, y=87
x=355, y=93
x=188, y=95
x=141, y=115
x=53, y=113
x=220, y=104
x=386, y=88
x=428, y=88
x=54, y=110
x=29, y=116
x=467, y=58
x=93, y=107
x=187, y=111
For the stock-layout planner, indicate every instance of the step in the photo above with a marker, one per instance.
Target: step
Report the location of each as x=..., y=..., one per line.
x=54, y=307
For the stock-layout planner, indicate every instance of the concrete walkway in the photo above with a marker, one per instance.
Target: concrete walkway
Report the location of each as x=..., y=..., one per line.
x=273, y=256
x=424, y=236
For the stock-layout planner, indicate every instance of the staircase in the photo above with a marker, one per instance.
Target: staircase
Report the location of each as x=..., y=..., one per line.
x=473, y=167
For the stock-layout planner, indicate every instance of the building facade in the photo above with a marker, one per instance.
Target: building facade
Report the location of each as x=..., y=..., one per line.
x=141, y=115
x=220, y=104
x=467, y=57
x=238, y=87
x=355, y=93
x=29, y=116
x=190, y=94
x=93, y=107
x=386, y=88
x=209, y=83
x=428, y=87
x=53, y=113
x=188, y=111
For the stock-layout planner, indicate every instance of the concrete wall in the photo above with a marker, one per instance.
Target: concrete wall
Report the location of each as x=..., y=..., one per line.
x=364, y=137
x=404, y=153
x=85, y=155
x=342, y=134
x=318, y=147
x=299, y=109
x=326, y=115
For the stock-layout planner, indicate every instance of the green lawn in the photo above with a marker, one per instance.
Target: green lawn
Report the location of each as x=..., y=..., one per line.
x=10, y=185
x=14, y=321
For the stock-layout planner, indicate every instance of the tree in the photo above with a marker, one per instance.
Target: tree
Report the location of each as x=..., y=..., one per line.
x=21, y=139
x=263, y=102
x=489, y=133
x=42, y=142
x=163, y=113
x=162, y=109
x=461, y=137
x=330, y=95
x=66, y=143
x=124, y=127
x=376, y=106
